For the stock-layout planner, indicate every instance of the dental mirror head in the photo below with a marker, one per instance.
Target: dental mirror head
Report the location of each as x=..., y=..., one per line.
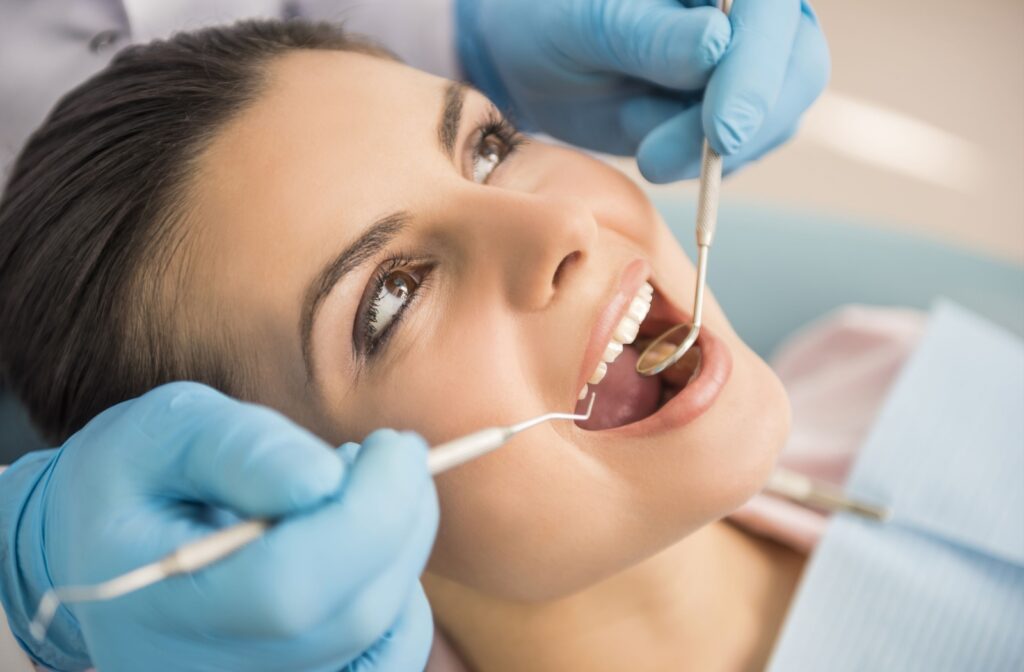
x=653, y=360
x=650, y=365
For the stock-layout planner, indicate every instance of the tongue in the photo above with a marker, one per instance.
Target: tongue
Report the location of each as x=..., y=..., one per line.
x=624, y=396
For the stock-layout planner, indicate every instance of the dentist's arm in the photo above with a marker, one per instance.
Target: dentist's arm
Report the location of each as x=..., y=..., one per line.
x=334, y=584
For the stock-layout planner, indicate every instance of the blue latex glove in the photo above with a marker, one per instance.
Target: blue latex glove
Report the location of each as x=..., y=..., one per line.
x=649, y=77
x=334, y=584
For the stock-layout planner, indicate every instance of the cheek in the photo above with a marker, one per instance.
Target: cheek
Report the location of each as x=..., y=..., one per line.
x=443, y=396
x=452, y=372
x=618, y=203
x=525, y=523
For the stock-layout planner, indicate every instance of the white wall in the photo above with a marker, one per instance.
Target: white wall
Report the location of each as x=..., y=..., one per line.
x=954, y=68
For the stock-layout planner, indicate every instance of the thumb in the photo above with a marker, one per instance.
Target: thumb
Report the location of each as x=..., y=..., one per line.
x=205, y=446
x=747, y=83
x=659, y=41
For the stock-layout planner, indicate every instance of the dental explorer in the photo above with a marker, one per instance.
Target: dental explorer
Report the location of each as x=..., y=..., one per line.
x=203, y=552
x=811, y=492
x=707, y=219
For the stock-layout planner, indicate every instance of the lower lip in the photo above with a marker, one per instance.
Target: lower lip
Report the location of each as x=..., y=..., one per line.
x=691, y=402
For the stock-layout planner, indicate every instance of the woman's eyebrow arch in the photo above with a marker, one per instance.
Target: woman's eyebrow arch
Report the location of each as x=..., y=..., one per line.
x=451, y=117
x=375, y=238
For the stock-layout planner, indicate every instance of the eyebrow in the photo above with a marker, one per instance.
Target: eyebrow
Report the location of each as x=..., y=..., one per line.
x=373, y=240
x=377, y=236
x=451, y=116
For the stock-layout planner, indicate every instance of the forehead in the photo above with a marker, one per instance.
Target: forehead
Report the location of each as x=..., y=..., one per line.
x=321, y=113
x=334, y=141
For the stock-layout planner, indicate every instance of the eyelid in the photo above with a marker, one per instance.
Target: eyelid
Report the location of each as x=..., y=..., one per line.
x=491, y=116
x=422, y=267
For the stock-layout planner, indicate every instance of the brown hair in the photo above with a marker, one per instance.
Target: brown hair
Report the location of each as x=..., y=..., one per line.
x=90, y=214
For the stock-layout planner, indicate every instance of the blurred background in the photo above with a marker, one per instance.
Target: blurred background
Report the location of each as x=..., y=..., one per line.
x=921, y=128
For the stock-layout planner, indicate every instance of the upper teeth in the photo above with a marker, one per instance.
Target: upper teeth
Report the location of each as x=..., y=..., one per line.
x=624, y=333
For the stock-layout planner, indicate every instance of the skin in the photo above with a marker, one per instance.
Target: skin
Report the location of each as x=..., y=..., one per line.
x=338, y=140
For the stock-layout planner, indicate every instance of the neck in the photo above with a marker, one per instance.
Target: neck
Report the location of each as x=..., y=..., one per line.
x=713, y=601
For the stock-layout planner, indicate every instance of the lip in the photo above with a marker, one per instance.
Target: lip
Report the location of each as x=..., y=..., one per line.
x=698, y=395
x=632, y=278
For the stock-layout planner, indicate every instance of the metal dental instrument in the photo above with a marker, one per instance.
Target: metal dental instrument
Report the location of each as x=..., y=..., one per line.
x=805, y=490
x=707, y=220
x=203, y=552
x=469, y=447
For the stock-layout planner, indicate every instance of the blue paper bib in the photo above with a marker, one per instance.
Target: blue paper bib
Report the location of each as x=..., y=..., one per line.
x=941, y=585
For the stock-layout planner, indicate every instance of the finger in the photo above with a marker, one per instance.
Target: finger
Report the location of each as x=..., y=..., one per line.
x=377, y=605
x=806, y=79
x=577, y=118
x=658, y=41
x=204, y=446
x=642, y=114
x=765, y=141
x=672, y=150
x=389, y=623
x=407, y=645
x=403, y=645
x=747, y=81
x=634, y=111
x=313, y=564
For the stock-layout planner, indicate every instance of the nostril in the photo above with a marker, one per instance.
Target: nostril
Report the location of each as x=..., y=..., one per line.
x=564, y=265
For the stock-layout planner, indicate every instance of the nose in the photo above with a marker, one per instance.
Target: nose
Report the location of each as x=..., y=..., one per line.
x=535, y=244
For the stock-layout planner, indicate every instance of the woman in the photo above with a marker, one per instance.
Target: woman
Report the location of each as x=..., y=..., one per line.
x=297, y=219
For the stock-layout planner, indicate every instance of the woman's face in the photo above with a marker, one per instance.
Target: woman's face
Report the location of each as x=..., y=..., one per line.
x=363, y=231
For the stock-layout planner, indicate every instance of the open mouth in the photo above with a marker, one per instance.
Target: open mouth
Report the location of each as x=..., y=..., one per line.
x=631, y=403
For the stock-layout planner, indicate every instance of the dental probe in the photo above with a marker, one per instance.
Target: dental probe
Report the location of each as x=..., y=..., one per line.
x=805, y=490
x=707, y=219
x=203, y=552
x=469, y=447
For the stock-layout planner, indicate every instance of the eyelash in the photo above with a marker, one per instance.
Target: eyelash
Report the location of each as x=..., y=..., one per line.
x=494, y=126
x=497, y=126
x=372, y=343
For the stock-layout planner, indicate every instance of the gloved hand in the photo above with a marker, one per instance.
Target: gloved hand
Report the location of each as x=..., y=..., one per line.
x=649, y=77
x=335, y=583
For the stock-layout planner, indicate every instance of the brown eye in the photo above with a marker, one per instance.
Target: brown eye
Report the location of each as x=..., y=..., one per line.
x=497, y=140
x=493, y=149
x=401, y=284
x=490, y=151
x=393, y=295
x=486, y=160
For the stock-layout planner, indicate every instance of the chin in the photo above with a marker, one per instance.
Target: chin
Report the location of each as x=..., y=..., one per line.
x=689, y=445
